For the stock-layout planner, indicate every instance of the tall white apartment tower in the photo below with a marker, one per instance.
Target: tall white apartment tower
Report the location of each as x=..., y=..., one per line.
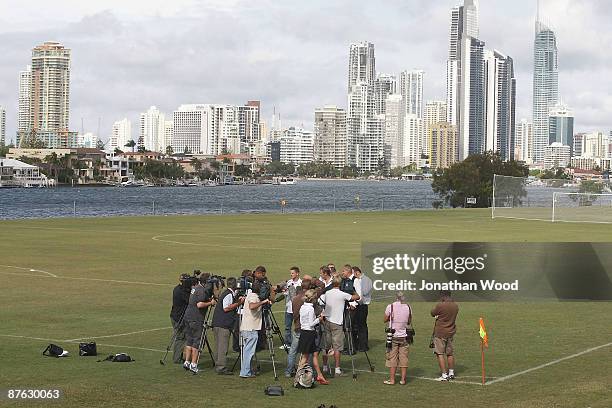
x=23, y=111
x=330, y=136
x=411, y=89
x=365, y=129
x=394, y=120
x=2, y=125
x=384, y=85
x=152, y=130
x=121, y=134
x=545, y=86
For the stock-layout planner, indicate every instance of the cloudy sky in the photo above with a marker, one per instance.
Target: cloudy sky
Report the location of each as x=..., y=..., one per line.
x=128, y=55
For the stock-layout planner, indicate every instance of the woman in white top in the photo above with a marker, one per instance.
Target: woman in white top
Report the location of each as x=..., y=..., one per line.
x=307, y=344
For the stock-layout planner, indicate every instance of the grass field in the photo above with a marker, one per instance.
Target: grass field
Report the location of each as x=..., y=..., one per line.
x=110, y=280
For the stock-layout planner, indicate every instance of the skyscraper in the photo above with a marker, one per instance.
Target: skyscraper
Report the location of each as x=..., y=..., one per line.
x=545, y=86
x=435, y=112
x=443, y=145
x=2, y=125
x=330, y=136
x=524, y=134
x=121, y=134
x=394, y=130
x=411, y=89
x=500, y=103
x=152, y=130
x=23, y=112
x=384, y=85
x=561, y=126
x=365, y=129
x=50, y=88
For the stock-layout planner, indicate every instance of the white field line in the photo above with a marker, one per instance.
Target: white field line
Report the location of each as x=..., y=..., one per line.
x=66, y=341
x=508, y=377
x=419, y=377
x=119, y=335
x=87, y=279
x=159, y=238
x=29, y=270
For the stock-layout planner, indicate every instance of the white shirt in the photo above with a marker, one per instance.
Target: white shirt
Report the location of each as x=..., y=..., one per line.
x=327, y=283
x=334, y=304
x=307, y=317
x=227, y=300
x=288, y=299
x=251, y=319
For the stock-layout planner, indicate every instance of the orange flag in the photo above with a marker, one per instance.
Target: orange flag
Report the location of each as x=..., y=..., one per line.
x=483, y=333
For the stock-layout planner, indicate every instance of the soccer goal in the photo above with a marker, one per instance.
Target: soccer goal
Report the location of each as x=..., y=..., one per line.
x=582, y=207
x=526, y=198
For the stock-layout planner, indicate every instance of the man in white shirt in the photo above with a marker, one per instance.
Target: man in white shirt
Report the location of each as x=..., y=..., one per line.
x=249, y=328
x=363, y=286
x=334, y=301
x=325, y=277
x=289, y=293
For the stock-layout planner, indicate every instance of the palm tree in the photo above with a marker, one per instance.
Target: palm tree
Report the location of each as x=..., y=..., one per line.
x=131, y=144
x=197, y=164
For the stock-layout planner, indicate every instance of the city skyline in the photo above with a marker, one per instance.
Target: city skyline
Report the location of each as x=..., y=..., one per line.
x=97, y=90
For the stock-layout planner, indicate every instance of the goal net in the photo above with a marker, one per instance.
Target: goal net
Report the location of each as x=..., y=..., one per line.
x=527, y=198
x=582, y=207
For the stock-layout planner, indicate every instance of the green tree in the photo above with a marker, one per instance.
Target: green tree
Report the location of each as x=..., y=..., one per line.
x=473, y=177
x=588, y=190
x=196, y=164
x=242, y=170
x=169, y=150
x=131, y=144
x=277, y=168
x=141, y=149
x=351, y=171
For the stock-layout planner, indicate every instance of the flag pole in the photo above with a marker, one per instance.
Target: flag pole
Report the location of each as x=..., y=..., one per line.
x=482, y=360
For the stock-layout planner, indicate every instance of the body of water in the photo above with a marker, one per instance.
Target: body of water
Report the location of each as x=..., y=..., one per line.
x=305, y=196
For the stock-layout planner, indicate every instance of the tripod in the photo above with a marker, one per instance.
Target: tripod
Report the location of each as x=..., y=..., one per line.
x=204, y=339
x=348, y=332
x=175, y=333
x=272, y=328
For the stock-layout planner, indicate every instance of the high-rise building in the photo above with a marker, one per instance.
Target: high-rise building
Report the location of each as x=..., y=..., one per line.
x=471, y=98
x=362, y=64
x=557, y=155
x=121, y=134
x=216, y=129
x=394, y=120
x=168, y=132
x=87, y=140
x=411, y=140
x=365, y=129
x=2, y=126
x=23, y=112
x=384, y=85
x=545, y=86
x=561, y=125
x=596, y=145
x=435, y=112
x=296, y=146
x=152, y=130
x=443, y=145
x=577, y=146
x=500, y=104
x=524, y=133
x=50, y=88
x=330, y=141
x=411, y=89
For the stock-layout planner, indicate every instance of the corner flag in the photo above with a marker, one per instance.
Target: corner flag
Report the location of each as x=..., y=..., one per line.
x=483, y=334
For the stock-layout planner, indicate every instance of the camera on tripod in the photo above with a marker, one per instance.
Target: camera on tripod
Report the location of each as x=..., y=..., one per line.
x=213, y=285
x=188, y=281
x=264, y=288
x=243, y=284
x=389, y=332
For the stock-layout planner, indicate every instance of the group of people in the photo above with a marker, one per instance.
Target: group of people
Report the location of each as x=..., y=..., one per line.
x=325, y=316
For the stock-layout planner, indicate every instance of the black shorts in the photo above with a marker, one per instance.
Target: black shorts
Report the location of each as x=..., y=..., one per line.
x=307, y=344
x=193, y=333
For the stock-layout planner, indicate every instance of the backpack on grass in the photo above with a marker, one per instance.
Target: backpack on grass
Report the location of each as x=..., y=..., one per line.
x=304, y=377
x=53, y=350
x=88, y=349
x=118, y=358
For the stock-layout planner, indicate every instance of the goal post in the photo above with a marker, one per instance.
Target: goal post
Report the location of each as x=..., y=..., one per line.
x=582, y=207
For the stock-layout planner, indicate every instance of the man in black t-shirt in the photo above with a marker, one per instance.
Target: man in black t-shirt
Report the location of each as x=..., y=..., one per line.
x=180, y=300
x=194, y=320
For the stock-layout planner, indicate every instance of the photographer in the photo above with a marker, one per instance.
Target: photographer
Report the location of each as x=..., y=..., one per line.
x=224, y=320
x=194, y=321
x=334, y=302
x=445, y=313
x=180, y=300
x=252, y=322
x=348, y=285
x=399, y=315
x=363, y=286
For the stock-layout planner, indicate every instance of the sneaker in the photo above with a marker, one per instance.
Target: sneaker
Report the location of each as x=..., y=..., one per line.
x=284, y=347
x=442, y=378
x=338, y=372
x=194, y=368
x=186, y=365
x=326, y=369
x=451, y=376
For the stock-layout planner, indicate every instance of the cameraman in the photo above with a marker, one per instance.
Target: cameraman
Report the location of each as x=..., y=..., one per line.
x=399, y=315
x=251, y=322
x=349, y=285
x=223, y=323
x=180, y=300
x=445, y=313
x=194, y=319
x=334, y=302
x=289, y=293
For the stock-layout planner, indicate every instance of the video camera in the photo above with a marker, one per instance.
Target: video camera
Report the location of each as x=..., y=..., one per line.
x=243, y=284
x=188, y=281
x=263, y=288
x=213, y=285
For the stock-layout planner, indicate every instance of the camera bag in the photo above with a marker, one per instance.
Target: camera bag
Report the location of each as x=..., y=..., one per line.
x=88, y=349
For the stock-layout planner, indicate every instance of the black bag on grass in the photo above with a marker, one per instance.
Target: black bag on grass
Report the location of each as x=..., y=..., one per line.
x=53, y=350
x=118, y=358
x=88, y=349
